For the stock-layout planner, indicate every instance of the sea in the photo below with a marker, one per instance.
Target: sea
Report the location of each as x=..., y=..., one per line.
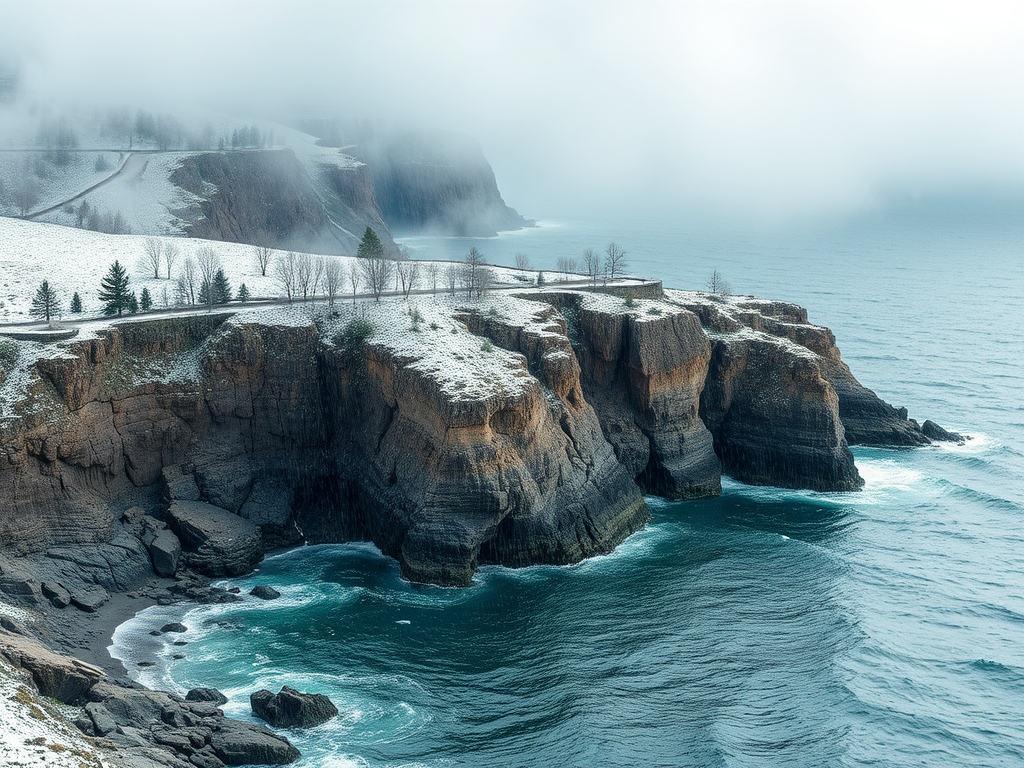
x=764, y=627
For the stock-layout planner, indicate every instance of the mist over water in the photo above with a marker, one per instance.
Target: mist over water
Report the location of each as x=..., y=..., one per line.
x=766, y=627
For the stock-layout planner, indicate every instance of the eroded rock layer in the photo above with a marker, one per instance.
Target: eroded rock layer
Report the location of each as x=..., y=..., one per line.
x=510, y=430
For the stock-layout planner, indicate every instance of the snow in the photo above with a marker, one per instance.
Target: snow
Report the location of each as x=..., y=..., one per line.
x=32, y=731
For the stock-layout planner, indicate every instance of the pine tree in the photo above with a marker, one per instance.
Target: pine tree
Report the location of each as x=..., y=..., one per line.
x=45, y=304
x=370, y=246
x=243, y=293
x=221, y=288
x=114, y=291
x=205, y=295
x=133, y=303
x=145, y=300
x=76, y=304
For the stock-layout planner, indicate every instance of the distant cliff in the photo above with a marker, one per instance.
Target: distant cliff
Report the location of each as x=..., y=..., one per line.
x=436, y=182
x=514, y=431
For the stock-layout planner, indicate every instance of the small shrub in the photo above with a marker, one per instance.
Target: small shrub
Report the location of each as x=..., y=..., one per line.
x=433, y=326
x=351, y=340
x=486, y=346
x=630, y=301
x=654, y=311
x=493, y=312
x=8, y=353
x=454, y=331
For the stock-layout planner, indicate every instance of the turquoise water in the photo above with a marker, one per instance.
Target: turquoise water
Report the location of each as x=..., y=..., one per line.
x=762, y=628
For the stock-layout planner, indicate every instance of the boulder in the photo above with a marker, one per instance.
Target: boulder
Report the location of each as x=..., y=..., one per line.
x=180, y=484
x=264, y=592
x=292, y=709
x=215, y=541
x=56, y=594
x=933, y=431
x=102, y=722
x=237, y=743
x=165, y=551
x=206, y=694
x=175, y=626
x=59, y=677
x=89, y=599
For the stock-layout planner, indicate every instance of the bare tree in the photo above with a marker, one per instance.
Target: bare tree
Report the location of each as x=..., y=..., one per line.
x=262, y=254
x=286, y=272
x=522, y=261
x=568, y=266
x=171, y=253
x=484, y=281
x=334, y=279
x=355, y=277
x=614, y=261
x=26, y=188
x=317, y=278
x=432, y=272
x=412, y=277
x=378, y=271
x=305, y=270
x=209, y=263
x=591, y=265
x=188, y=282
x=153, y=253
x=717, y=284
x=471, y=271
x=452, y=274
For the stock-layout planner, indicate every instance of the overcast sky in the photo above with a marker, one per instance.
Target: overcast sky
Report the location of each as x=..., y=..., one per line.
x=758, y=108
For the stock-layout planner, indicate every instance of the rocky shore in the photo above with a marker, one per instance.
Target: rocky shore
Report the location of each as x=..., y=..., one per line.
x=142, y=462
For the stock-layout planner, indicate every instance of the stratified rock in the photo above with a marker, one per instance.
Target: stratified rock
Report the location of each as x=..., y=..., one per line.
x=215, y=541
x=206, y=694
x=102, y=722
x=292, y=709
x=58, y=596
x=238, y=743
x=59, y=677
x=933, y=431
x=264, y=592
x=180, y=483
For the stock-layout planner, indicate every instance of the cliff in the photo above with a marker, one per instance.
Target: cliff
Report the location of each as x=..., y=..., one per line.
x=513, y=430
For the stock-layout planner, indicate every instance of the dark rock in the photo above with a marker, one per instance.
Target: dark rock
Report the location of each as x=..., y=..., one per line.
x=146, y=664
x=134, y=707
x=165, y=551
x=58, y=596
x=59, y=677
x=234, y=590
x=216, y=542
x=90, y=599
x=180, y=484
x=177, y=656
x=6, y=622
x=180, y=642
x=102, y=722
x=133, y=516
x=206, y=758
x=292, y=709
x=935, y=432
x=238, y=743
x=156, y=633
x=206, y=694
x=264, y=592
x=175, y=626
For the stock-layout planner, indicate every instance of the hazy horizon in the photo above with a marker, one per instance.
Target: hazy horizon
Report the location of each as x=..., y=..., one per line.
x=756, y=111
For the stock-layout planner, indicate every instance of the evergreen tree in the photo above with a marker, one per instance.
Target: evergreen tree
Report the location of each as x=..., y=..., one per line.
x=243, y=293
x=370, y=246
x=45, y=304
x=76, y=304
x=205, y=295
x=114, y=291
x=145, y=300
x=133, y=303
x=221, y=288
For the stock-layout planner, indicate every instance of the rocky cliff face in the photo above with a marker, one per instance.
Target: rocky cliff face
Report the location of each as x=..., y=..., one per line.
x=513, y=431
x=272, y=198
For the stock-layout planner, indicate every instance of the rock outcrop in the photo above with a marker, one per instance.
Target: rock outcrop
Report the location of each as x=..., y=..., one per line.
x=513, y=431
x=292, y=709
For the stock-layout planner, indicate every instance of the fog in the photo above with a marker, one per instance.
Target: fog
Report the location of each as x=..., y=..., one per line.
x=760, y=110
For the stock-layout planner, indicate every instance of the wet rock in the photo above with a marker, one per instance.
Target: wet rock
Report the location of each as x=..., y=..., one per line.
x=292, y=709
x=264, y=592
x=155, y=632
x=206, y=694
x=238, y=743
x=174, y=626
x=146, y=664
x=934, y=432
